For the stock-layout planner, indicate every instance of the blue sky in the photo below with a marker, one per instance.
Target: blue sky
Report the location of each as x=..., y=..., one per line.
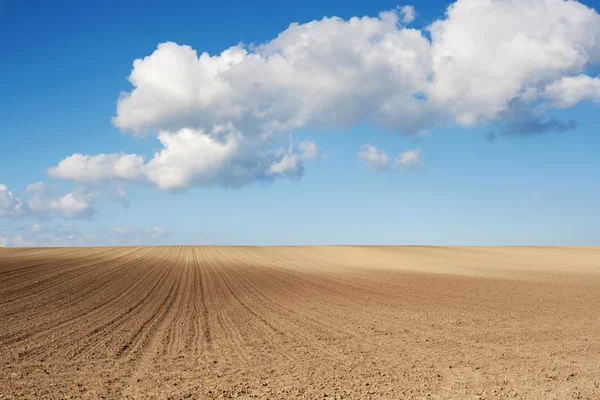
x=340, y=131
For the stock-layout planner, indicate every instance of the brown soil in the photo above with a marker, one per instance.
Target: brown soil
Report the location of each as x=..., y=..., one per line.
x=300, y=322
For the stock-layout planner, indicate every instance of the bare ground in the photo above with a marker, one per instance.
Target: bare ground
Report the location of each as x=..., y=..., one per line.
x=300, y=322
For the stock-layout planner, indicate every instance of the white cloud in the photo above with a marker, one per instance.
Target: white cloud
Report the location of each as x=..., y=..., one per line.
x=569, y=91
x=376, y=160
x=482, y=55
x=48, y=235
x=10, y=206
x=157, y=232
x=44, y=236
x=40, y=188
x=308, y=150
x=324, y=73
x=486, y=53
x=193, y=158
x=408, y=14
x=409, y=159
x=99, y=168
x=72, y=205
x=291, y=161
x=44, y=203
x=218, y=117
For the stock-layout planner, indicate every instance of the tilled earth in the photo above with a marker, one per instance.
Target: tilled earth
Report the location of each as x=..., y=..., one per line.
x=300, y=322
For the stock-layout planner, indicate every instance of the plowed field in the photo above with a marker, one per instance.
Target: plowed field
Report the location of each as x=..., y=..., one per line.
x=300, y=322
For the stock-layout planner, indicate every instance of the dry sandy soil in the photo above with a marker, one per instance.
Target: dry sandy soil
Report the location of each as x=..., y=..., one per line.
x=300, y=322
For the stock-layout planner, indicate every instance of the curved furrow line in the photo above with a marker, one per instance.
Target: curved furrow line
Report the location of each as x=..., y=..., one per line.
x=219, y=266
x=232, y=340
x=21, y=259
x=302, y=289
x=118, y=299
x=78, y=332
x=302, y=262
x=225, y=340
x=230, y=318
x=234, y=330
x=65, y=298
x=47, y=339
x=204, y=298
x=148, y=282
x=34, y=309
x=200, y=322
x=73, y=304
x=175, y=340
x=192, y=342
x=29, y=267
x=342, y=317
x=271, y=336
x=26, y=261
x=194, y=339
x=349, y=289
x=138, y=341
x=348, y=292
x=313, y=287
x=154, y=311
x=283, y=318
x=146, y=344
x=61, y=273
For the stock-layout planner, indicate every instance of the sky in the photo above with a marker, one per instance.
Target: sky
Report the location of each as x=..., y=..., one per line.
x=472, y=122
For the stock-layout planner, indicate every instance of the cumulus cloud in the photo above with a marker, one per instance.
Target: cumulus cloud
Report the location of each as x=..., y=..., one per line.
x=44, y=202
x=10, y=206
x=220, y=118
x=290, y=161
x=376, y=160
x=99, y=168
x=570, y=90
x=520, y=120
x=324, y=73
x=332, y=72
x=72, y=205
x=409, y=159
x=40, y=189
x=191, y=158
x=486, y=54
x=408, y=14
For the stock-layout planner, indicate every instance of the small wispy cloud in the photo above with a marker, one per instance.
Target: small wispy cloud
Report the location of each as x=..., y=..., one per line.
x=409, y=159
x=377, y=160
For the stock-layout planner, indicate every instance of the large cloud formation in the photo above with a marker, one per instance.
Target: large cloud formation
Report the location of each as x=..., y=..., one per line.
x=221, y=118
x=190, y=157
